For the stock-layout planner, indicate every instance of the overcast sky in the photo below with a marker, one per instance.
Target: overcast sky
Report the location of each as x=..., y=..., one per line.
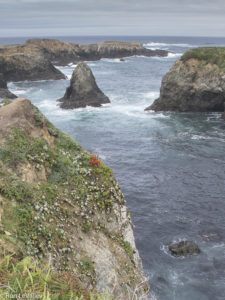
x=112, y=17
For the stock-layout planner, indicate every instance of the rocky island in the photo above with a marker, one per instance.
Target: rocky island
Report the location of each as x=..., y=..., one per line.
x=65, y=231
x=196, y=83
x=62, y=53
x=83, y=90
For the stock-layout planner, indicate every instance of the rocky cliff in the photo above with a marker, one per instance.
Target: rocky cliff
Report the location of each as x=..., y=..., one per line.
x=19, y=63
x=83, y=90
x=117, y=50
x=58, y=52
x=196, y=82
x=4, y=92
x=61, y=209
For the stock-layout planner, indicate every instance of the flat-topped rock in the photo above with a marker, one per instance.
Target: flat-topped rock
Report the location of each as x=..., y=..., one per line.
x=195, y=83
x=83, y=90
x=115, y=49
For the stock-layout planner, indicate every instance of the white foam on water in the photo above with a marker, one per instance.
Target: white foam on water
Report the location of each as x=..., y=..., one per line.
x=72, y=65
x=112, y=60
x=155, y=44
x=170, y=55
x=18, y=92
x=91, y=64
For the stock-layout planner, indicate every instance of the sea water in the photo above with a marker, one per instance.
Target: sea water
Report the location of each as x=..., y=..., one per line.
x=171, y=166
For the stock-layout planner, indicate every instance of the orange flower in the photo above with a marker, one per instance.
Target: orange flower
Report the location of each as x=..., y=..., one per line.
x=94, y=161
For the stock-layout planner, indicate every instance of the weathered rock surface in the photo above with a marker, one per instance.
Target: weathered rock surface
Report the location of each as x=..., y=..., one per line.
x=83, y=90
x=195, y=83
x=184, y=248
x=4, y=92
x=118, y=50
x=58, y=52
x=19, y=63
x=72, y=215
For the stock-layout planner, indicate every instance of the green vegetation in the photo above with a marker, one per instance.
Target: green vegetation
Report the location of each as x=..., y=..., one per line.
x=38, y=215
x=211, y=55
x=26, y=277
x=122, y=43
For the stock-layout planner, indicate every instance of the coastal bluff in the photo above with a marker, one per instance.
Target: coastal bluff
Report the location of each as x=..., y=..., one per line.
x=83, y=90
x=63, y=216
x=62, y=53
x=195, y=83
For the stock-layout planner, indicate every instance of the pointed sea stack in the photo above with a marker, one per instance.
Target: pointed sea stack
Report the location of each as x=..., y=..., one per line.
x=4, y=92
x=83, y=90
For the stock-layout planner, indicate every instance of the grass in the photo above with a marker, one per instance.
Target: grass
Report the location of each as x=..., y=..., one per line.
x=26, y=277
x=40, y=217
x=211, y=55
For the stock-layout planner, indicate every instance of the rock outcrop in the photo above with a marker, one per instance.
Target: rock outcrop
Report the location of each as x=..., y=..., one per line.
x=64, y=210
x=117, y=50
x=196, y=83
x=83, y=90
x=4, y=92
x=58, y=52
x=184, y=248
x=19, y=63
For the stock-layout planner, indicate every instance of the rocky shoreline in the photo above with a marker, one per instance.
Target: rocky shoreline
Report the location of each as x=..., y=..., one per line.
x=35, y=59
x=4, y=92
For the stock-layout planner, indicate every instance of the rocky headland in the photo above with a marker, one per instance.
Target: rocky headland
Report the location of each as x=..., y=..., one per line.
x=115, y=49
x=19, y=63
x=195, y=83
x=4, y=92
x=65, y=230
x=83, y=90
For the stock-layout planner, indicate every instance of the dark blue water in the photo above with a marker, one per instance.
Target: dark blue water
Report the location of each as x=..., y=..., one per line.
x=171, y=166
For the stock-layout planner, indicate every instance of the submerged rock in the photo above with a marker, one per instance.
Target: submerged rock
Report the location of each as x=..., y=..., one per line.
x=195, y=83
x=83, y=90
x=4, y=92
x=184, y=248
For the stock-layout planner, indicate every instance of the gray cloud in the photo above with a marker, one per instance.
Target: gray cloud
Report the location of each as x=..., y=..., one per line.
x=108, y=17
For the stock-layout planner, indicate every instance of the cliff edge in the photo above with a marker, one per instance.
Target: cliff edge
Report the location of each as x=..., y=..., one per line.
x=196, y=82
x=61, y=211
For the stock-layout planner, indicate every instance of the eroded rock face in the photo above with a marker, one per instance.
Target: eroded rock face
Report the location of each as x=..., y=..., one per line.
x=19, y=63
x=83, y=90
x=58, y=52
x=78, y=220
x=4, y=92
x=192, y=85
x=184, y=248
x=118, y=50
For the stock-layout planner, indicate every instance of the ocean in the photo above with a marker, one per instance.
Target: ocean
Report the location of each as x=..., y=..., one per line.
x=171, y=166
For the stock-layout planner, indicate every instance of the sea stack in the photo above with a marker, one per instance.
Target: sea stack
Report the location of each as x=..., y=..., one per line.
x=4, y=92
x=195, y=83
x=83, y=90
